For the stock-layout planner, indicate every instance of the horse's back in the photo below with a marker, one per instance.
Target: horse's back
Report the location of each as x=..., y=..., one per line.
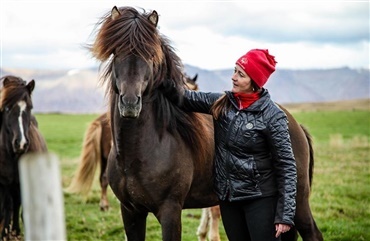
x=299, y=139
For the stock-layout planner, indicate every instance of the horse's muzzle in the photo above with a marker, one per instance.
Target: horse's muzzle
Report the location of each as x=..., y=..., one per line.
x=129, y=107
x=20, y=147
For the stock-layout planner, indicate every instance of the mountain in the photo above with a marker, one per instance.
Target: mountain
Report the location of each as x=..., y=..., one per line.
x=64, y=91
x=79, y=91
x=297, y=86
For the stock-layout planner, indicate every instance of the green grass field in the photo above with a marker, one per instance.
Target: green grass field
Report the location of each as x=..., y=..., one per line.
x=340, y=193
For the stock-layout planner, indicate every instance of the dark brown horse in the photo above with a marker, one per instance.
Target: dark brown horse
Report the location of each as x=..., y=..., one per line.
x=95, y=150
x=161, y=160
x=18, y=135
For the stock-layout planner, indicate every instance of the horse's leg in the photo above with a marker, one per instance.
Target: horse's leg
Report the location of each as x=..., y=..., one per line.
x=304, y=220
x=134, y=224
x=169, y=216
x=291, y=235
x=215, y=215
x=5, y=210
x=203, y=226
x=104, y=204
x=16, y=198
x=106, y=145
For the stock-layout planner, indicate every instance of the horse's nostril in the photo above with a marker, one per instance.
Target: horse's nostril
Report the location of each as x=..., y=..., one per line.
x=16, y=142
x=27, y=143
x=127, y=100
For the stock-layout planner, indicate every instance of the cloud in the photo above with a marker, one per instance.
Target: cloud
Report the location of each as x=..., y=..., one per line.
x=283, y=21
x=211, y=35
x=318, y=22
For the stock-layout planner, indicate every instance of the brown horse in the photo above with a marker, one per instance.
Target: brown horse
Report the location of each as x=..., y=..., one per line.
x=18, y=135
x=161, y=160
x=95, y=150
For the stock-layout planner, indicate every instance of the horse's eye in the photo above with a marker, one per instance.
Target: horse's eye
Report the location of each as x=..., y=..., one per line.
x=7, y=109
x=115, y=87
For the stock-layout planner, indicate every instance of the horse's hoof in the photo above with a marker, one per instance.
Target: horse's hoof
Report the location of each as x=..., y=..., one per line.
x=104, y=208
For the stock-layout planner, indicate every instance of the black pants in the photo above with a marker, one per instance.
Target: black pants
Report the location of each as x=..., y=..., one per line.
x=251, y=220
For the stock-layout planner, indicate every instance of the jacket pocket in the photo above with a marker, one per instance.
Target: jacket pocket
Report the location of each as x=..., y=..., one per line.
x=246, y=169
x=245, y=178
x=248, y=134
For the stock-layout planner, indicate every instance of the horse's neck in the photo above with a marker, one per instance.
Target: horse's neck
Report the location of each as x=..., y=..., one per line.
x=3, y=139
x=128, y=133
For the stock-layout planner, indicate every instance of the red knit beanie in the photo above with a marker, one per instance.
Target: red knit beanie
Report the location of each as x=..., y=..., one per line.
x=258, y=64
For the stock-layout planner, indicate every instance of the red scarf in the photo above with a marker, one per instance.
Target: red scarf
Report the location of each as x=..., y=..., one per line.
x=245, y=100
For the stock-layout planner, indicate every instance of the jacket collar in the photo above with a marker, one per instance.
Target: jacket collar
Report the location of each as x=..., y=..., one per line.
x=259, y=105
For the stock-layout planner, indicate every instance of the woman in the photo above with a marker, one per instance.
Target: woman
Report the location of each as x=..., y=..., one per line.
x=255, y=172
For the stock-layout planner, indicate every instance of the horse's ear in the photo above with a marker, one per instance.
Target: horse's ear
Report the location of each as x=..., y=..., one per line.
x=153, y=18
x=6, y=81
x=31, y=86
x=195, y=77
x=115, y=13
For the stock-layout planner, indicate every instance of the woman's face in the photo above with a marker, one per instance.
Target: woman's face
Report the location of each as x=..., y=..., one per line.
x=242, y=83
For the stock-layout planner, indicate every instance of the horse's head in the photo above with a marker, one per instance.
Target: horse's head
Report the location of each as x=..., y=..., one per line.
x=191, y=82
x=15, y=108
x=130, y=78
x=131, y=42
x=140, y=58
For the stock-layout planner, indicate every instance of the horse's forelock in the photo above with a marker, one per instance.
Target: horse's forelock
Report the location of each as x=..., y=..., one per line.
x=129, y=33
x=14, y=92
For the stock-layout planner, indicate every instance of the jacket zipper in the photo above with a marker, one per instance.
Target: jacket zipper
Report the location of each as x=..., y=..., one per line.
x=230, y=126
x=228, y=190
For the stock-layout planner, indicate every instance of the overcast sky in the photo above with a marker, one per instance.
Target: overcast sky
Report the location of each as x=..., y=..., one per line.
x=207, y=34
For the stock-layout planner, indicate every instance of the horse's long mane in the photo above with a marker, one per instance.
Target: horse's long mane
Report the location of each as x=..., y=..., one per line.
x=37, y=141
x=132, y=33
x=129, y=33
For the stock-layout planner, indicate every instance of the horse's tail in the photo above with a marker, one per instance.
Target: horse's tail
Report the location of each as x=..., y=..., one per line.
x=310, y=144
x=89, y=160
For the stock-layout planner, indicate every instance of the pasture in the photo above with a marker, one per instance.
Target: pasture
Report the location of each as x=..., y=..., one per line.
x=340, y=194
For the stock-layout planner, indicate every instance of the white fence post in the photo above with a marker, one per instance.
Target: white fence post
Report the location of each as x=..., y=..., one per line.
x=42, y=197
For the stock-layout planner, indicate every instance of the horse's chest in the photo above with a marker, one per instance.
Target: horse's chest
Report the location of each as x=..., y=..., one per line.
x=144, y=180
x=8, y=169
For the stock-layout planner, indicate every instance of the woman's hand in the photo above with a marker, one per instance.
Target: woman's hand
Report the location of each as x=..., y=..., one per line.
x=281, y=228
x=172, y=91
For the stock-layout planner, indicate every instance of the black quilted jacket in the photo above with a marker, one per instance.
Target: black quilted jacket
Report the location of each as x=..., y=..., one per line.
x=253, y=154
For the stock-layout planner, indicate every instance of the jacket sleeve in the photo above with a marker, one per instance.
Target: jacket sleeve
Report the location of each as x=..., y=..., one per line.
x=285, y=167
x=197, y=101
